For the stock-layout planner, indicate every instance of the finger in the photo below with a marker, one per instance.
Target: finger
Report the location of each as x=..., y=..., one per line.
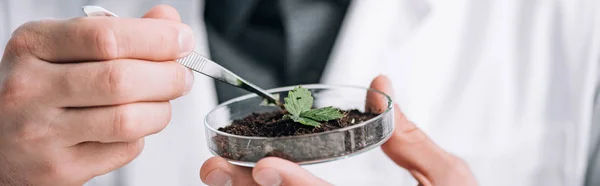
x=410, y=147
x=96, y=158
x=276, y=171
x=165, y=12
x=124, y=123
x=376, y=102
x=118, y=82
x=216, y=171
x=408, y=137
x=102, y=38
x=417, y=151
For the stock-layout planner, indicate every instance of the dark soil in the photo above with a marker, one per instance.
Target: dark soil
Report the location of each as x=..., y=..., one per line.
x=301, y=149
x=271, y=124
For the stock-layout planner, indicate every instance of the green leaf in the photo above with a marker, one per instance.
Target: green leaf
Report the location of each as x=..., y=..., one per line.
x=304, y=121
x=322, y=114
x=298, y=101
x=309, y=122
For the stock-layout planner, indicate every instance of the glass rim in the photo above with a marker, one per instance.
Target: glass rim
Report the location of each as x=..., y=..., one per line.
x=287, y=88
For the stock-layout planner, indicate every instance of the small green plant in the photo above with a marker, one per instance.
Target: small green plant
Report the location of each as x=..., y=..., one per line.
x=299, y=104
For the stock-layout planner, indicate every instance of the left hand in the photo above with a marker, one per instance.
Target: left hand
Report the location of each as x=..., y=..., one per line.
x=408, y=147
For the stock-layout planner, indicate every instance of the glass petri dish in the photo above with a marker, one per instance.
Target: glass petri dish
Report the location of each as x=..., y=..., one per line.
x=304, y=149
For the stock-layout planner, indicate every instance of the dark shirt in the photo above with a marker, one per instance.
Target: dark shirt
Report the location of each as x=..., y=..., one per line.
x=272, y=43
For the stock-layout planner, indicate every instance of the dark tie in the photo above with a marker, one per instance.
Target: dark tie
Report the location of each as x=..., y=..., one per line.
x=272, y=43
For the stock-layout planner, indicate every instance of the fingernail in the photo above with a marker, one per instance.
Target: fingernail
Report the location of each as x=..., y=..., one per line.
x=218, y=178
x=268, y=177
x=189, y=81
x=186, y=41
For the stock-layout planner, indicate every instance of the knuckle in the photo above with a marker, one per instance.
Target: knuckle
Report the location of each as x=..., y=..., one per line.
x=116, y=81
x=20, y=41
x=106, y=42
x=29, y=37
x=98, y=34
x=125, y=123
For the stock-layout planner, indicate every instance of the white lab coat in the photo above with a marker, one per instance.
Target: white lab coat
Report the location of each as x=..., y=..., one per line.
x=507, y=85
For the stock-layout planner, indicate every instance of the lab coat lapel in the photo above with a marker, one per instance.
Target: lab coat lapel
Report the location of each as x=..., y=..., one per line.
x=370, y=30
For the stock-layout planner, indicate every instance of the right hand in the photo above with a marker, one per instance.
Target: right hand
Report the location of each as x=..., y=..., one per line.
x=408, y=147
x=78, y=96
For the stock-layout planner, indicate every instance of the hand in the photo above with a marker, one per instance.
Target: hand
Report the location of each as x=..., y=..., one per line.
x=77, y=96
x=408, y=147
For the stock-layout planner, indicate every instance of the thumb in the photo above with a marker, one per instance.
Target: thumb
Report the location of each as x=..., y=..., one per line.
x=163, y=12
x=276, y=171
x=412, y=149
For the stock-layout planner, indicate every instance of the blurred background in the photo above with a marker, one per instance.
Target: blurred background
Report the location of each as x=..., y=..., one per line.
x=507, y=85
